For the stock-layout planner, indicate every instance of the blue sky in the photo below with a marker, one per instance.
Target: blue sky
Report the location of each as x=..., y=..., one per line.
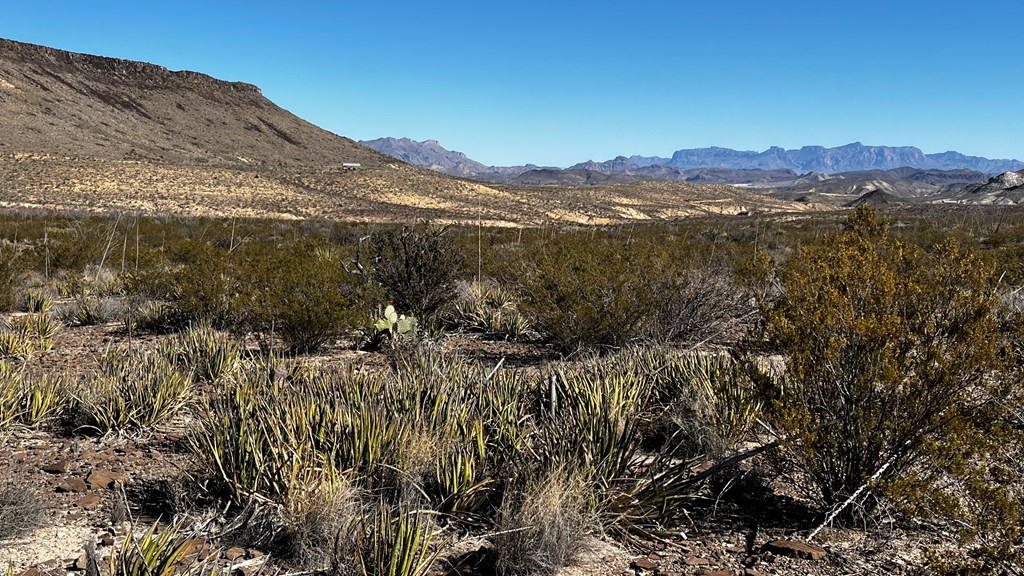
x=557, y=83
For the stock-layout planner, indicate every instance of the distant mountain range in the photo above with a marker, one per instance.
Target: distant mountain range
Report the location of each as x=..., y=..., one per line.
x=854, y=157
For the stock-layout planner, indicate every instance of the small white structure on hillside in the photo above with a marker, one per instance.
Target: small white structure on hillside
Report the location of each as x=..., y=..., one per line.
x=351, y=166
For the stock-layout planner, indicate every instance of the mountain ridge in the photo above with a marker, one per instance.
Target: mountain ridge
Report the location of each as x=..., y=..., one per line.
x=847, y=158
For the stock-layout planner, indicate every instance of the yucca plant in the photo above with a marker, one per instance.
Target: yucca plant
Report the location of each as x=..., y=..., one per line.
x=16, y=345
x=257, y=437
x=10, y=385
x=39, y=329
x=154, y=554
x=38, y=301
x=463, y=489
x=134, y=390
x=209, y=355
x=41, y=400
x=394, y=543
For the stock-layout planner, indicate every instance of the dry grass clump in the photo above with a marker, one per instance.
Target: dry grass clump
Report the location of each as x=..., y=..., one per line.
x=21, y=511
x=543, y=527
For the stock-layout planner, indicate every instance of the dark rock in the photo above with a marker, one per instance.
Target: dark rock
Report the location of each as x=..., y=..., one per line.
x=233, y=554
x=644, y=564
x=56, y=468
x=795, y=549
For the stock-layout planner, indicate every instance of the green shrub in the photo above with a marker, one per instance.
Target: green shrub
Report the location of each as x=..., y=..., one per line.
x=607, y=292
x=417, y=268
x=302, y=295
x=889, y=349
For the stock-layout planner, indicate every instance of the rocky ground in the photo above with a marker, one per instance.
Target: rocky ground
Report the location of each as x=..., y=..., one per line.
x=99, y=489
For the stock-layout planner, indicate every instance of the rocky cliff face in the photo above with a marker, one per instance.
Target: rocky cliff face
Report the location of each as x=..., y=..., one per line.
x=1006, y=188
x=58, y=102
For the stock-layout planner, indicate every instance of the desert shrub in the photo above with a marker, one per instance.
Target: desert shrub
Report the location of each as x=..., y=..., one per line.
x=90, y=310
x=888, y=349
x=21, y=511
x=606, y=292
x=10, y=278
x=313, y=522
x=302, y=295
x=542, y=527
x=196, y=282
x=417, y=268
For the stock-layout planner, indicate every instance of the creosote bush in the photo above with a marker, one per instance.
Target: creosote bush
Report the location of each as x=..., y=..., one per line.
x=889, y=350
x=417, y=268
x=607, y=292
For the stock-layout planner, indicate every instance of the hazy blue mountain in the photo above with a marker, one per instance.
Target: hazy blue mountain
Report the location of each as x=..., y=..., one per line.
x=848, y=158
x=430, y=154
x=854, y=157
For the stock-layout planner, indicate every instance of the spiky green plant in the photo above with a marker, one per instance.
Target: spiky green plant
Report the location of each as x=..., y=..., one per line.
x=395, y=543
x=38, y=301
x=134, y=390
x=463, y=488
x=42, y=399
x=153, y=554
x=10, y=385
x=43, y=327
x=207, y=354
x=16, y=345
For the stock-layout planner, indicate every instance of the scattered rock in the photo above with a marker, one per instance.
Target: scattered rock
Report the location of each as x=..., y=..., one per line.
x=696, y=561
x=795, y=549
x=107, y=540
x=752, y=572
x=33, y=571
x=81, y=563
x=56, y=468
x=644, y=564
x=719, y=572
x=233, y=554
x=72, y=485
x=102, y=479
x=90, y=502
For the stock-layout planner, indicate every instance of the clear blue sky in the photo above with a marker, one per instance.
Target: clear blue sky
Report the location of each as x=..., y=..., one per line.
x=557, y=83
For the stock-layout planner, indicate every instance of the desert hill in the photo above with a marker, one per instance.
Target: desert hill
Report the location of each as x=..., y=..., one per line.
x=92, y=134
x=58, y=102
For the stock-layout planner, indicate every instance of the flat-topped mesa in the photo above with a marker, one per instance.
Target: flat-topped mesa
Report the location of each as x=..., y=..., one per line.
x=78, y=105
x=142, y=74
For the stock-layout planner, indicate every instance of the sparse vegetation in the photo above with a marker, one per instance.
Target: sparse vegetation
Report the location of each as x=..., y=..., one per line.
x=879, y=366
